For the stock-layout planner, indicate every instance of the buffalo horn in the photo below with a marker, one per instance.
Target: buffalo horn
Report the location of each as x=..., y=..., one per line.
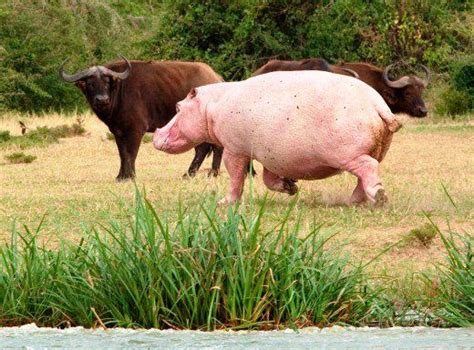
x=427, y=78
x=397, y=84
x=75, y=77
x=350, y=71
x=122, y=75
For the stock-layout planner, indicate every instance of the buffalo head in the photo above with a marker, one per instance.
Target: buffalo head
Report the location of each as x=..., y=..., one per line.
x=404, y=94
x=96, y=83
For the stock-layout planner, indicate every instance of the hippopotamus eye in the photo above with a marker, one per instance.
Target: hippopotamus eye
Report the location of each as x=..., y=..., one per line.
x=177, y=107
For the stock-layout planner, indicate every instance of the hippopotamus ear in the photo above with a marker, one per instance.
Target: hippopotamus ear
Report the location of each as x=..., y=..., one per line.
x=192, y=93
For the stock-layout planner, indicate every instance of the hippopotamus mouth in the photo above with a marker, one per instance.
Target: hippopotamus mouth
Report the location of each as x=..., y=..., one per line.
x=161, y=143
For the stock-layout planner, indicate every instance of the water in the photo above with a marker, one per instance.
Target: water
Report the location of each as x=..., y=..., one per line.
x=32, y=337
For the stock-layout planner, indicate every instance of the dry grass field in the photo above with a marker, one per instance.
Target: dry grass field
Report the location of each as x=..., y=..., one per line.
x=72, y=185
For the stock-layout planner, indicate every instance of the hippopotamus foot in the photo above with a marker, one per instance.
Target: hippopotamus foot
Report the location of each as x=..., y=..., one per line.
x=237, y=167
x=380, y=198
x=290, y=186
x=369, y=187
x=278, y=183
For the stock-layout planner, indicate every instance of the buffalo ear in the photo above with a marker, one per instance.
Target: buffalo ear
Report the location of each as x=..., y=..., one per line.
x=192, y=93
x=390, y=96
x=81, y=84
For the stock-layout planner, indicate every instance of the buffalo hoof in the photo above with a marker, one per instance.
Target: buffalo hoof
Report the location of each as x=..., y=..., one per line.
x=380, y=198
x=123, y=178
x=213, y=173
x=290, y=186
x=188, y=175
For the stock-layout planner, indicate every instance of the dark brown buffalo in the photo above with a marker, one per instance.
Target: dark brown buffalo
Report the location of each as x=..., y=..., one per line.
x=136, y=97
x=306, y=64
x=401, y=95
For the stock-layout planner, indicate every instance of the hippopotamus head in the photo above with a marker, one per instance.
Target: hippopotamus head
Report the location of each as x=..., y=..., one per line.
x=187, y=129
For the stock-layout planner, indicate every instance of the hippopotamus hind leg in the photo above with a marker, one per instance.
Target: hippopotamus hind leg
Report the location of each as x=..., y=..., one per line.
x=358, y=196
x=366, y=169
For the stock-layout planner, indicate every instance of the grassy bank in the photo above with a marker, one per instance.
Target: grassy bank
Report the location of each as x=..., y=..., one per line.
x=208, y=270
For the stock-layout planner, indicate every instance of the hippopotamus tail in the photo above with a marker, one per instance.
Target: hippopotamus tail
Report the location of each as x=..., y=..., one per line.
x=389, y=119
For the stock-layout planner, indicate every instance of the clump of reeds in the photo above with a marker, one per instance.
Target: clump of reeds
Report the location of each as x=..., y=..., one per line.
x=203, y=271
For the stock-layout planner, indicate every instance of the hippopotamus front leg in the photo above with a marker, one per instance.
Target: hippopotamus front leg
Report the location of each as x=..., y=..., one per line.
x=369, y=185
x=237, y=167
x=278, y=183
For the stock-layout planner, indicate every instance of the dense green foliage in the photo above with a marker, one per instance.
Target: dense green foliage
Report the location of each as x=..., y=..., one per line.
x=234, y=37
x=202, y=272
x=208, y=270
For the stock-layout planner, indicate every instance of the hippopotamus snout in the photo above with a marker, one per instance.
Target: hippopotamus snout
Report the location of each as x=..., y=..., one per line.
x=160, y=139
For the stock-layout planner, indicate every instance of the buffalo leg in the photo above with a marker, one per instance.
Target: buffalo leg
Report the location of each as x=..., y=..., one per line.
x=251, y=169
x=216, y=160
x=128, y=146
x=201, y=151
x=237, y=167
x=278, y=183
x=366, y=169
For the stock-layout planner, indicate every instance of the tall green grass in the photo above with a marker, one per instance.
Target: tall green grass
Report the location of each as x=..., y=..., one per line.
x=454, y=284
x=210, y=268
x=205, y=270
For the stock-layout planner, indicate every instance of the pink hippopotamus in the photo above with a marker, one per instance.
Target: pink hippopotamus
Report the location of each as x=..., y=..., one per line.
x=299, y=125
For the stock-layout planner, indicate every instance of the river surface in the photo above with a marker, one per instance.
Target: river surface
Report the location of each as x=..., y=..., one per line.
x=32, y=337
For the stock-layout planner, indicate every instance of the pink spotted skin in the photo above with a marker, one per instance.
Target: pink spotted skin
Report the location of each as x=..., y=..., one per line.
x=300, y=125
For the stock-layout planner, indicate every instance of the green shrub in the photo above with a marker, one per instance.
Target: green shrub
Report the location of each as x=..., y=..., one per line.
x=4, y=135
x=20, y=157
x=43, y=136
x=234, y=37
x=423, y=235
x=147, y=138
x=453, y=102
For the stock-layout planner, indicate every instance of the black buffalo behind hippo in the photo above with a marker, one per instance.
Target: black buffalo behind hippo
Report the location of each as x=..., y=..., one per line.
x=136, y=97
x=402, y=95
